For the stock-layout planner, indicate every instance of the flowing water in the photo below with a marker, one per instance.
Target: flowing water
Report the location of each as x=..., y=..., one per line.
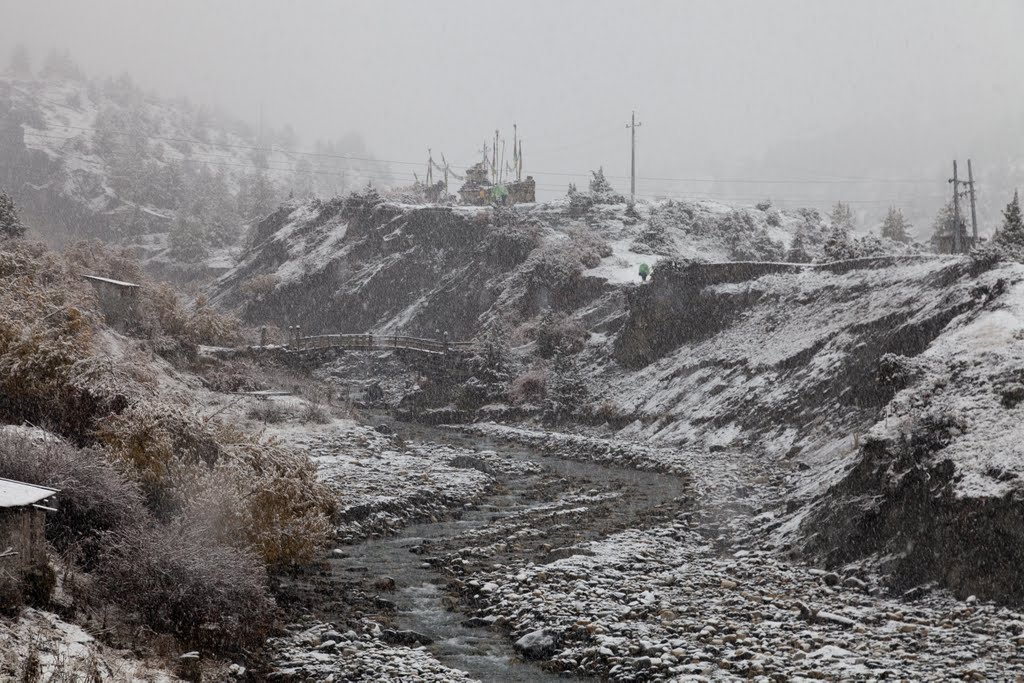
x=483, y=653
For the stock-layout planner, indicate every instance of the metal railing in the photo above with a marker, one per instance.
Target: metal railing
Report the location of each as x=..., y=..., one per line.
x=370, y=342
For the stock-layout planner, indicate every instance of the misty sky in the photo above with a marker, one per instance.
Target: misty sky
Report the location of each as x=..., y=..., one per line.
x=720, y=85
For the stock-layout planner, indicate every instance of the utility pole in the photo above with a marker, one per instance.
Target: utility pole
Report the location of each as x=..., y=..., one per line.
x=632, y=125
x=974, y=212
x=957, y=248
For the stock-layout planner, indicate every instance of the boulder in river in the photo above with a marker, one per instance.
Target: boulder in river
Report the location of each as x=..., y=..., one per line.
x=537, y=644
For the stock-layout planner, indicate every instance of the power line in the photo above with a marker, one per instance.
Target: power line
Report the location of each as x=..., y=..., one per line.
x=375, y=174
x=347, y=157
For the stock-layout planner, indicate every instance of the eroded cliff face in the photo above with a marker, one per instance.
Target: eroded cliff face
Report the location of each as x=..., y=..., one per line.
x=888, y=388
x=361, y=264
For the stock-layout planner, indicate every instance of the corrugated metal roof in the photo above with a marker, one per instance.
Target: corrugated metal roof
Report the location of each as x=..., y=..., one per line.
x=15, y=494
x=119, y=283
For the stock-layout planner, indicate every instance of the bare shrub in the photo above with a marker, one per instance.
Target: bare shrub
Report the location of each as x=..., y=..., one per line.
x=284, y=511
x=177, y=580
x=315, y=413
x=95, y=494
x=231, y=375
x=529, y=387
x=258, y=287
x=267, y=412
x=161, y=442
x=558, y=333
x=608, y=411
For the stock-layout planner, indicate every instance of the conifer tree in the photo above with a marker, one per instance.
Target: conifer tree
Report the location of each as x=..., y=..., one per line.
x=10, y=224
x=842, y=217
x=1011, y=234
x=895, y=226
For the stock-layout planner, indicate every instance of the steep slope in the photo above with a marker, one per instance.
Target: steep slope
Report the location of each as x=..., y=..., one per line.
x=886, y=391
x=361, y=263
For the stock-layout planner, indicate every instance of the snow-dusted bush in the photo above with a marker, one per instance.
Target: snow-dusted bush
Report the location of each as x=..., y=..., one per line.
x=557, y=333
x=95, y=494
x=280, y=509
x=530, y=386
x=258, y=287
x=601, y=191
x=10, y=224
x=175, y=579
x=567, y=393
x=747, y=241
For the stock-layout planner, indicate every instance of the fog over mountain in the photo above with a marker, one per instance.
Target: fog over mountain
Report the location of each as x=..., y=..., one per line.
x=734, y=89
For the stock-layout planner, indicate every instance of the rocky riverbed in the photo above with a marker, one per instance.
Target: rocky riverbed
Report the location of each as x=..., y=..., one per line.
x=464, y=558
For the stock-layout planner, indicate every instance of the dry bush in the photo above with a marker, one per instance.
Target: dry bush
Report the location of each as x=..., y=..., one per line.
x=231, y=375
x=529, y=387
x=287, y=512
x=267, y=412
x=558, y=333
x=315, y=413
x=177, y=329
x=258, y=287
x=609, y=411
x=95, y=494
x=177, y=580
x=161, y=442
x=46, y=326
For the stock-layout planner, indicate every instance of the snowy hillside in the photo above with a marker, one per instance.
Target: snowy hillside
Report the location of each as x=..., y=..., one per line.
x=104, y=159
x=361, y=263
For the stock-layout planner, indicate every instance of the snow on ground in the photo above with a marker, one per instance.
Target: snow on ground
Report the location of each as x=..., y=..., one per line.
x=67, y=653
x=383, y=484
x=321, y=653
x=662, y=604
x=972, y=368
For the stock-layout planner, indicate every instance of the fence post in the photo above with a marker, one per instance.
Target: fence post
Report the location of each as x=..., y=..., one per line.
x=298, y=336
x=263, y=335
x=445, y=337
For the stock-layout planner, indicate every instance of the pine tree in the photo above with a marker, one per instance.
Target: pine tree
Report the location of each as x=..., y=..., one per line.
x=895, y=226
x=10, y=225
x=842, y=217
x=188, y=240
x=797, y=251
x=1011, y=234
x=601, y=191
x=839, y=246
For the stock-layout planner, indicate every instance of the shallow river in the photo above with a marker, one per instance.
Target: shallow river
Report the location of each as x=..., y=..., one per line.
x=486, y=654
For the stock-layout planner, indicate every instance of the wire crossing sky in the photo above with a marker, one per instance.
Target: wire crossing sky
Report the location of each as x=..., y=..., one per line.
x=738, y=89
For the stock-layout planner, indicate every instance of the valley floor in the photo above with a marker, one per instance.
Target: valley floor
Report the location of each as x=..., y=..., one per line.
x=514, y=555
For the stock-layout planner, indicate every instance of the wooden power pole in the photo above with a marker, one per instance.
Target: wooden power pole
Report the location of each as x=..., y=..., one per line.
x=632, y=125
x=957, y=247
x=974, y=211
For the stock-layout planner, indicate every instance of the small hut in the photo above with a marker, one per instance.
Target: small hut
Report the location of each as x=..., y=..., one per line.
x=22, y=522
x=117, y=299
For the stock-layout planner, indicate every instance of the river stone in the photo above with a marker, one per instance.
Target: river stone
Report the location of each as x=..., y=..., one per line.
x=392, y=637
x=537, y=644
